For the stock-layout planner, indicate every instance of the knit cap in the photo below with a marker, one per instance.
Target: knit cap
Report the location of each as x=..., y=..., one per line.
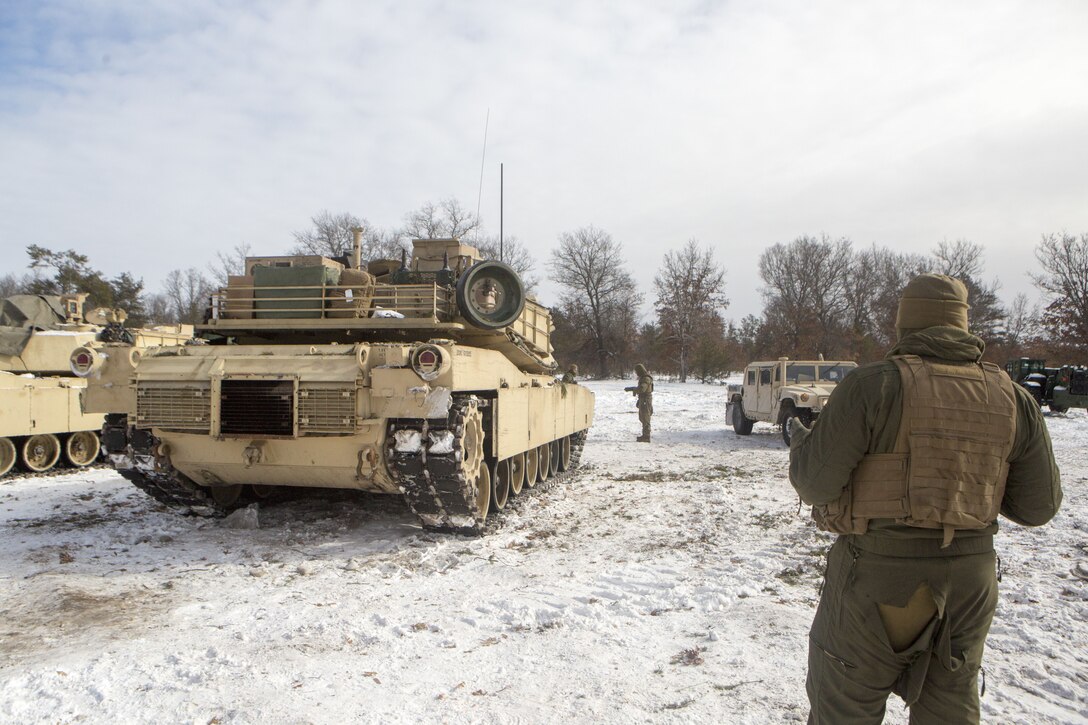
x=930, y=300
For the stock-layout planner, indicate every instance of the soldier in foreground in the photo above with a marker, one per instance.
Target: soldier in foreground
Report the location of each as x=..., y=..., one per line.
x=644, y=391
x=911, y=463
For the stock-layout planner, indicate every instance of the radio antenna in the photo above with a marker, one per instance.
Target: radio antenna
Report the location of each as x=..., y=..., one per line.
x=480, y=191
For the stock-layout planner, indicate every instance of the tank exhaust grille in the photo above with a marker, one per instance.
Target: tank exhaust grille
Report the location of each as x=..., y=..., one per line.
x=257, y=408
x=174, y=407
x=326, y=409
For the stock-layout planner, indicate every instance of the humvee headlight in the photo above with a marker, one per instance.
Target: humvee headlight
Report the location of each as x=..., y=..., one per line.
x=804, y=397
x=83, y=361
x=429, y=361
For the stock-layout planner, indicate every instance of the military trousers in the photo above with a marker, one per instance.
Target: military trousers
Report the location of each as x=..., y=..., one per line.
x=644, y=414
x=852, y=666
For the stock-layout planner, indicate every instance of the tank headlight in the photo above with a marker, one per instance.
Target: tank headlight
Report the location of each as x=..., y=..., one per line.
x=429, y=361
x=83, y=361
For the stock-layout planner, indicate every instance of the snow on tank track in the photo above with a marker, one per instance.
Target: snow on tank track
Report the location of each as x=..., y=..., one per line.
x=435, y=485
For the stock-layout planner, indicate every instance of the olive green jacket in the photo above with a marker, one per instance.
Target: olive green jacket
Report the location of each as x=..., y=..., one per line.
x=863, y=415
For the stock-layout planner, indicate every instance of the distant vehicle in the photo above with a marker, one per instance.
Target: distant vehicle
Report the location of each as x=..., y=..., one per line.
x=431, y=379
x=1058, y=388
x=42, y=421
x=776, y=391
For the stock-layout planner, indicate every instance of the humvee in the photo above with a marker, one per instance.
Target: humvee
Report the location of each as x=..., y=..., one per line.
x=776, y=391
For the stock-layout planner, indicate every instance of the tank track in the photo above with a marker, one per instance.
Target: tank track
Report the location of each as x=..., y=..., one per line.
x=166, y=485
x=55, y=472
x=435, y=487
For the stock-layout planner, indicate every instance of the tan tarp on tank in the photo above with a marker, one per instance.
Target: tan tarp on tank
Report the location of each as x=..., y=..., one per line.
x=21, y=315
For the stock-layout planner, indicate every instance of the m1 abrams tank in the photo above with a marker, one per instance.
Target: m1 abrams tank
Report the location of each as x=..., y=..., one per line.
x=41, y=419
x=432, y=379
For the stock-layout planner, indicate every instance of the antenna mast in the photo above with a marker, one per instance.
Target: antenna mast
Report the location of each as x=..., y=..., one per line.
x=480, y=191
x=500, y=213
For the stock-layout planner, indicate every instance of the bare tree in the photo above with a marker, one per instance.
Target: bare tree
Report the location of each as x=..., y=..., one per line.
x=11, y=284
x=1064, y=281
x=963, y=260
x=331, y=235
x=187, y=292
x=1020, y=323
x=805, y=293
x=229, y=263
x=445, y=220
x=690, y=291
x=600, y=297
x=515, y=254
x=160, y=310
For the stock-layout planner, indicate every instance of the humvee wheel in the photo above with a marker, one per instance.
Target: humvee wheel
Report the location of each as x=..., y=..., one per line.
x=259, y=491
x=226, y=496
x=41, y=452
x=82, y=448
x=544, y=455
x=532, y=466
x=500, y=485
x=517, y=473
x=483, y=493
x=7, y=455
x=553, y=458
x=741, y=425
x=564, y=453
x=803, y=415
x=1057, y=408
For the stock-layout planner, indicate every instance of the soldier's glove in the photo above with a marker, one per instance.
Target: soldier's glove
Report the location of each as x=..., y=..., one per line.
x=796, y=426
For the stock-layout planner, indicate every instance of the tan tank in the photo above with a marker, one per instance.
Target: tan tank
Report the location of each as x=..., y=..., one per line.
x=41, y=419
x=430, y=378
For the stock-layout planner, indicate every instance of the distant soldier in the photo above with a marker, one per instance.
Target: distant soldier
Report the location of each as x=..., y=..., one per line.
x=568, y=377
x=644, y=391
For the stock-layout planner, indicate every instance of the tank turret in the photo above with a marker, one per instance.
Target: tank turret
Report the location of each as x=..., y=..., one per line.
x=430, y=377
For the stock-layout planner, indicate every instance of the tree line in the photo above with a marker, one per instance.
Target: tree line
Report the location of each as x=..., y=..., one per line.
x=821, y=296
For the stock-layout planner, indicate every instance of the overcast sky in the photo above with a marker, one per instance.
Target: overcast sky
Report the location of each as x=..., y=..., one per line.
x=150, y=134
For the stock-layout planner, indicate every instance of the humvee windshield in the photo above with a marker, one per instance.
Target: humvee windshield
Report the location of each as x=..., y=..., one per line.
x=806, y=372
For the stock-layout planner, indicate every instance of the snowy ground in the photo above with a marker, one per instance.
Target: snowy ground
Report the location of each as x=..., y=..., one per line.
x=673, y=582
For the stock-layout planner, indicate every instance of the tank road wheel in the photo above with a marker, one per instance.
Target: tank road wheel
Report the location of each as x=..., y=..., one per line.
x=741, y=425
x=41, y=452
x=82, y=448
x=553, y=458
x=500, y=485
x=532, y=466
x=261, y=492
x=564, y=454
x=7, y=456
x=483, y=493
x=226, y=496
x=517, y=473
x=544, y=454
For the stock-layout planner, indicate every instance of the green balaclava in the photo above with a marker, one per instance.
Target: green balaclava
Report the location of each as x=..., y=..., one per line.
x=640, y=370
x=931, y=300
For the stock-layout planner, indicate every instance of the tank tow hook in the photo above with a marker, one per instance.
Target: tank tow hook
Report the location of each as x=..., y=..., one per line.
x=253, y=453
